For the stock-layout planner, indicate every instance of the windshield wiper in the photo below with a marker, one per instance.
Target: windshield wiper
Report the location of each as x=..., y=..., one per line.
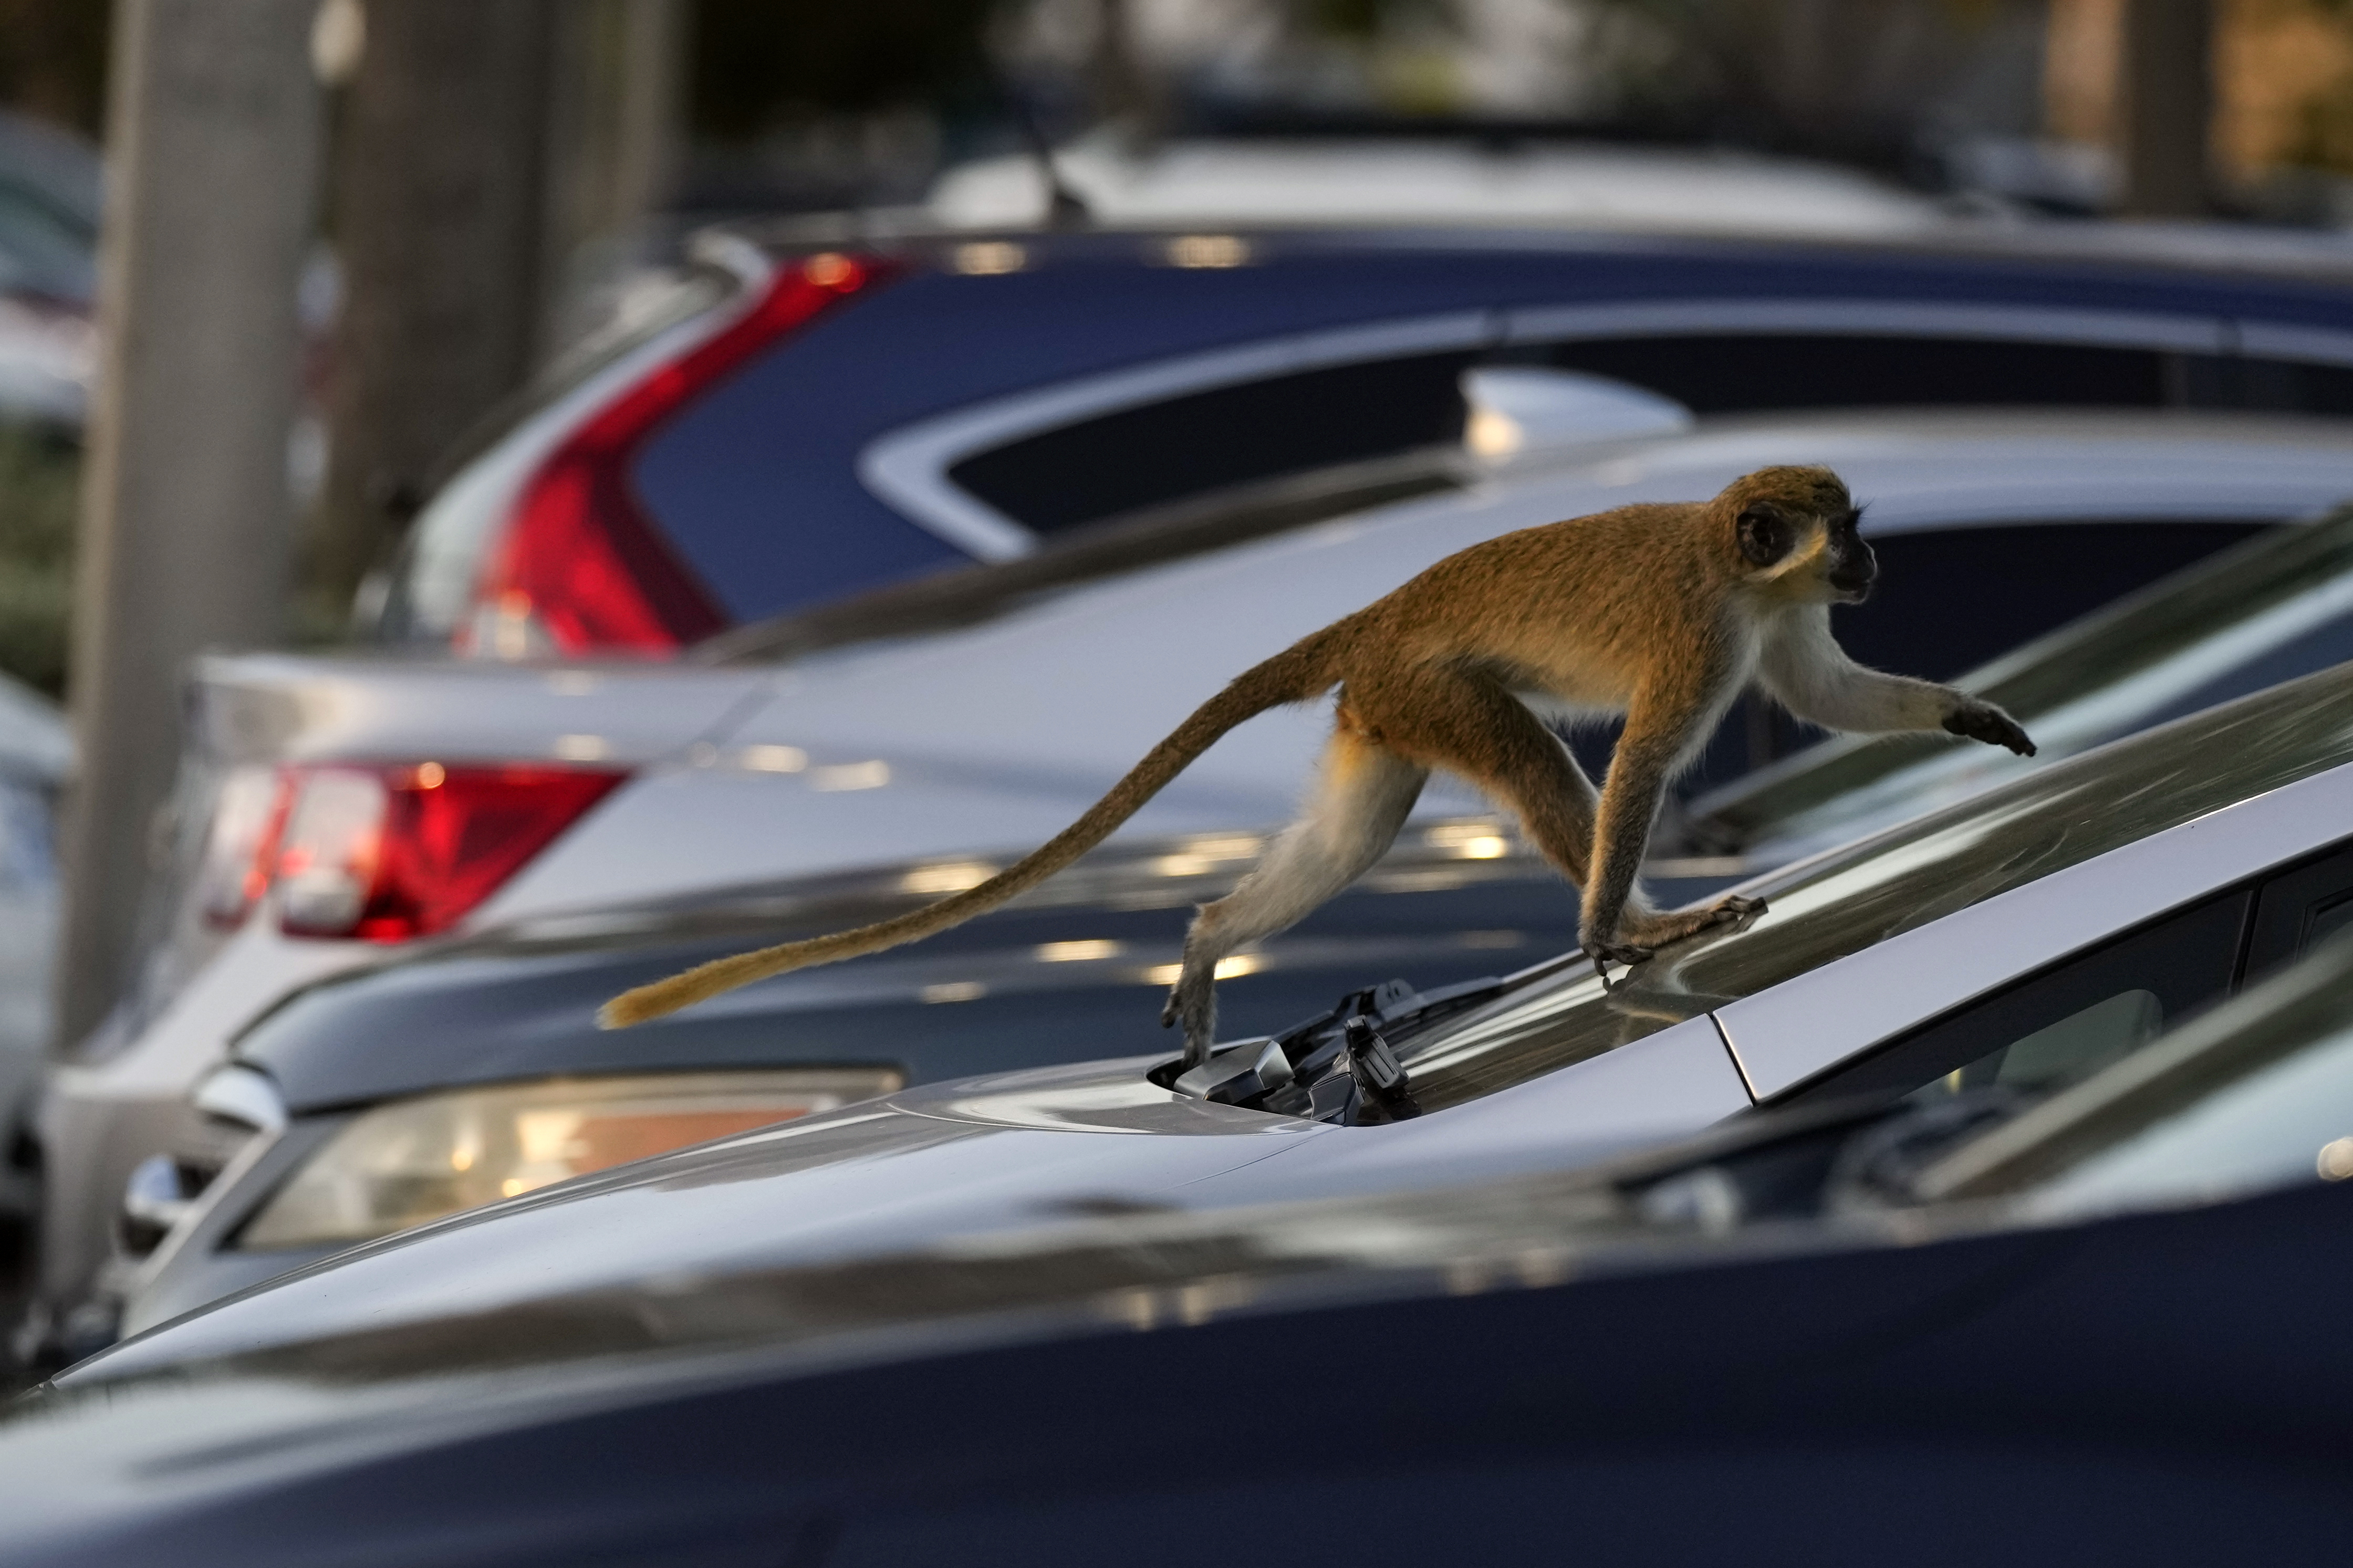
x=1340, y=1066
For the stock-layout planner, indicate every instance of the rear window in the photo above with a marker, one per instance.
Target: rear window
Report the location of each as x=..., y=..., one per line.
x=1147, y=457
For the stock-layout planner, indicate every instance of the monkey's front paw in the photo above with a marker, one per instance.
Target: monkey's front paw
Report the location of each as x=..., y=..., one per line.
x=1984, y=722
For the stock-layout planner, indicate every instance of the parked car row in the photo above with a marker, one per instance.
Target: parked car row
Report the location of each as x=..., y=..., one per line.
x=864, y=562
x=982, y=720
x=689, y=1358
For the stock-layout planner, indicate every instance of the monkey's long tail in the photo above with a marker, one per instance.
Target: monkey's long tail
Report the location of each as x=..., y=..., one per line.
x=1298, y=673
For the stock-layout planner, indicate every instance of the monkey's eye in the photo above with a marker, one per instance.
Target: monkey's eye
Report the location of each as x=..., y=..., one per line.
x=1765, y=535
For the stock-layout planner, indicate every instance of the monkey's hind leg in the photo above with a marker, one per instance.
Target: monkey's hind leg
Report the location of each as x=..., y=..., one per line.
x=1364, y=793
x=1471, y=726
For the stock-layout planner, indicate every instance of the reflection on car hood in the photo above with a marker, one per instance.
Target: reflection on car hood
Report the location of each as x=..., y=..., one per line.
x=426, y=1305
x=1070, y=972
x=970, y=1156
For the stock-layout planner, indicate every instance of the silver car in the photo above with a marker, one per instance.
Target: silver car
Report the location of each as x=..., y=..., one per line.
x=2023, y=940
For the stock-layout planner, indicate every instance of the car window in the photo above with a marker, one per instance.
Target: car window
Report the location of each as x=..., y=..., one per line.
x=1852, y=898
x=1714, y=373
x=2292, y=1122
x=2064, y=1026
x=2255, y=1094
x=1182, y=446
x=2297, y=909
x=2059, y=1028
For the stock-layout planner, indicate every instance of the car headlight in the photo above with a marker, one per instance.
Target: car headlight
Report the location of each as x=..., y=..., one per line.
x=415, y=1160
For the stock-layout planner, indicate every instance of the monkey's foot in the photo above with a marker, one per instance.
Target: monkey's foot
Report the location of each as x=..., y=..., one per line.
x=1193, y=1002
x=1656, y=930
x=1605, y=953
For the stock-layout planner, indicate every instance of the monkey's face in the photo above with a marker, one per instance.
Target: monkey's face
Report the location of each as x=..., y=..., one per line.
x=1815, y=554
x=1853, y=568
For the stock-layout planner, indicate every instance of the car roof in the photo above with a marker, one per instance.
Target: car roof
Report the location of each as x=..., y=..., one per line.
x=2021, y=245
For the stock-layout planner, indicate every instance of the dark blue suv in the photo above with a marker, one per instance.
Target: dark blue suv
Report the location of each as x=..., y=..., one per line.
x=804, y=418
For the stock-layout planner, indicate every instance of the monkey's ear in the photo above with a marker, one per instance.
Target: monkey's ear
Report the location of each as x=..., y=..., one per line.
x=1765, y=534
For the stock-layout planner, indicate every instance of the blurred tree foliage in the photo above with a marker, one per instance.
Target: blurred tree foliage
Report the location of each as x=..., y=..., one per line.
x=758, y=63
x=1843, y=79
x=53, y=59
x=40, y=484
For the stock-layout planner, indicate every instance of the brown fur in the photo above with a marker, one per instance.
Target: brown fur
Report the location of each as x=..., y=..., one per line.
x=1652, y=611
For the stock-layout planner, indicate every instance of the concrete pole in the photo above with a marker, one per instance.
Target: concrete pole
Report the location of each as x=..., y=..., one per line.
x=213, y=135
x=2168, y=102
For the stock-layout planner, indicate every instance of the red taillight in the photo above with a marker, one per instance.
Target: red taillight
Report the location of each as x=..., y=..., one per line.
x=581, y=566
x=239, y=842
x=388, y=853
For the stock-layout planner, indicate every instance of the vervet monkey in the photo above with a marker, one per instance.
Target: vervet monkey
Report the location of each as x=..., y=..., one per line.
x=1661, y=613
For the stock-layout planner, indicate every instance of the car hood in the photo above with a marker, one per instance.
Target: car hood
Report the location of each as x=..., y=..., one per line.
x=962, y=1160
x=693, y=1421
x=975, y=1154
x=1070, y=973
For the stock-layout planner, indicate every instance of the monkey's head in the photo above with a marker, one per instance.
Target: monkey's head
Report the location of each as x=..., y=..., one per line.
x=1798, y=530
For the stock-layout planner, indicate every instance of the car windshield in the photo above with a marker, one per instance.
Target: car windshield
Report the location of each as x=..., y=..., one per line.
x=1850, y=899
x=2202, y=636
x=2257, y=1094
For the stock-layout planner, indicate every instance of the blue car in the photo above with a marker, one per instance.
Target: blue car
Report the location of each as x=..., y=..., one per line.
x=812, y=414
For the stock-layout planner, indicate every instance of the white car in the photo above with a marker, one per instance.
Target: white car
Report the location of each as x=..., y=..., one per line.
x=418, y=798
x=1305, y=180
